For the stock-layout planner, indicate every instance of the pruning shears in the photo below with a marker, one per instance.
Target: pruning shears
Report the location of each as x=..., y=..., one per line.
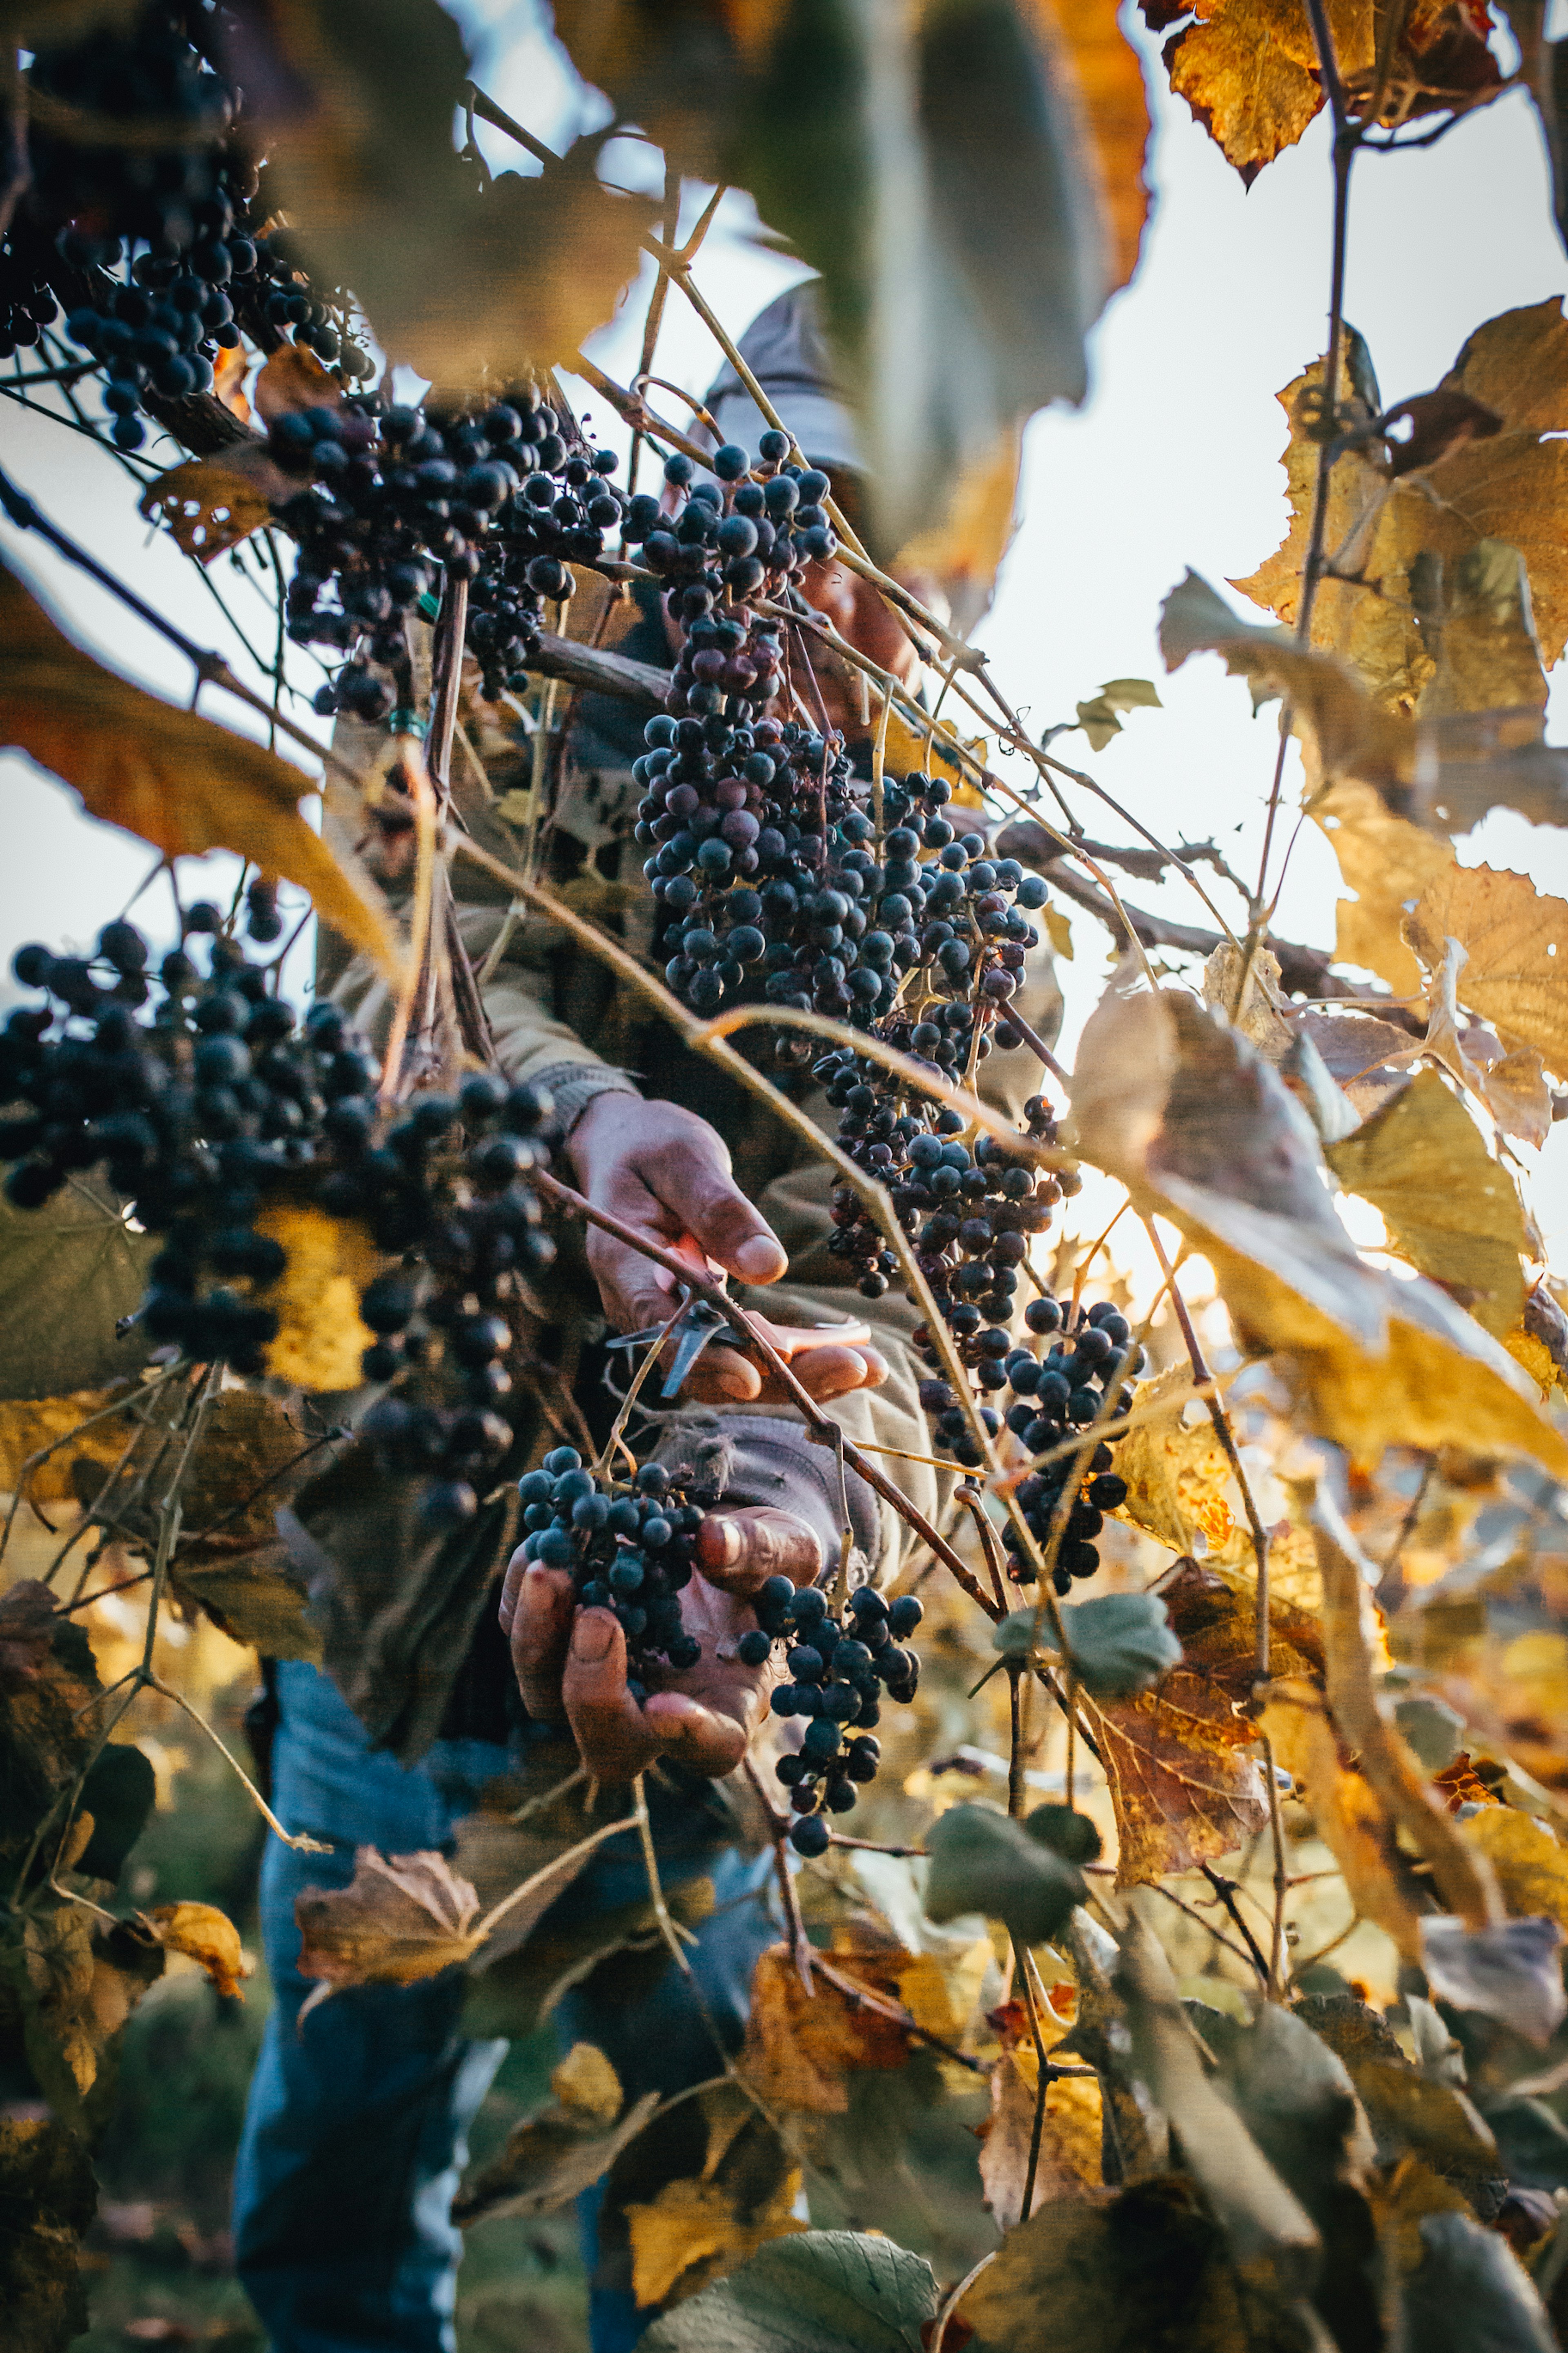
x=700, y=1322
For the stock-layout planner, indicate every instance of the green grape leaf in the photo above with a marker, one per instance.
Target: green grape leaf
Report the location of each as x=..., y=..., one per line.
x=1119, y=1643
x=981, y=1861
x=822, y=2291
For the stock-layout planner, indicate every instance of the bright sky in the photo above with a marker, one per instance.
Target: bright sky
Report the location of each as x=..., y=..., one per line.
x=1174, y=462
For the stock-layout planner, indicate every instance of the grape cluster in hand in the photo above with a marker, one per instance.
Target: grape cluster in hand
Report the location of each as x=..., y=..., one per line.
x=629, y=1550
x=839, y=1663
x=392, y=498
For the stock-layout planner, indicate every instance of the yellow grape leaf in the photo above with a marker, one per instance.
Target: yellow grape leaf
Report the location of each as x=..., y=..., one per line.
x=932, y=749
x=549, y=2160
x=1512, y=487
x=1251, y=95
x=401, y=1918
x=210, y=504
x=229, y=371
x=320, y=1338
x=699, y=2227
x=169, y=776
x=1515, y=973
x=585, y=2081
x=204, y=1934
x=26, y=1426
x=1449, y=1208
x=1529, y=1863
x=1199, y=1127
x=1058, y=931
x=1387, y=861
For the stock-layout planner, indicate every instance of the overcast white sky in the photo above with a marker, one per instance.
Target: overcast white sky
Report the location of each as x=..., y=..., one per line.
x=1174, y=462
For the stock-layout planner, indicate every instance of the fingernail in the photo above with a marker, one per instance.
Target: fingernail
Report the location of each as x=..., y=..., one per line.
x=729, y=1543
x=592, y=1636
x=736, y=1385
x=761, y=1259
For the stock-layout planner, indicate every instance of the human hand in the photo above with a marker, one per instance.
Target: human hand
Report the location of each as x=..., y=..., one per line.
x=666, y=1173
x=573, y=1662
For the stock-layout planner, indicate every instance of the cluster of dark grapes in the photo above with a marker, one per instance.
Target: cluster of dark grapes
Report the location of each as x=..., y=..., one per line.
x=750, y=529
x=219, y=1106
x=628, y=1549
x=839, y=1665
x=1079, y=1380
x=203, y=271
x=392, y=498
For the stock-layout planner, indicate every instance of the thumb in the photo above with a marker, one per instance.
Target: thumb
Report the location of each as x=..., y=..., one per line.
x=739, y=1550
x=725, y=1224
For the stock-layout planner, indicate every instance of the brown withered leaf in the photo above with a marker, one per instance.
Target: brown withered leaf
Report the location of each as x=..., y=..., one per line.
x=1197, y=1124
x=1251, y=95
x=210, y=504
x=232, y=1480
x=75, y=1983
x=206, y=1936
x=1146, y=2268
x=800, y=2046
x=27, y=1632
x=403, y=1917
x=1494, y=1645
x=1512, y=487
x=1449, y=1208
x=1362, y=1055
x=169, y=776
x=1183, y=1782
x=48, y=2198
x=551, y=2159
x=49, y=1727
x=1069, y=2158
x=701, y=2226
x=1515, y=973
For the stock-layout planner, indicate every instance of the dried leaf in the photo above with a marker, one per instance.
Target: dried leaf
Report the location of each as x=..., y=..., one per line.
x=1515, y=1092
x=27, y=1425
x=1449, y=1208
x=47, y=1726
x=1511, y=487
x=403, y=1917
x=963, y=551
x=1209, y=1134
x=321, y=1337
x=700, y=2226
x=822, y=2292
x=1345, y=1809
x=26, y=1633
x=48, y=2198
x=68, y=1273
x=207, y=1936
x=586, y=2082
x=1531, y=1866
x=211, y=503
x=1007, y=2135
x=169, y=776
x=1515, y=970
x=550, y=2159
x=1388, y=861
x=800, y=2045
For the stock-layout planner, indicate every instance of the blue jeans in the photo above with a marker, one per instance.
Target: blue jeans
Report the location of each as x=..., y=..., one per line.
x=356, y=2129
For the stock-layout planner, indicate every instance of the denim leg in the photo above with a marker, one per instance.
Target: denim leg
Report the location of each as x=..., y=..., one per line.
x=660, y=2041
x=356, y=2126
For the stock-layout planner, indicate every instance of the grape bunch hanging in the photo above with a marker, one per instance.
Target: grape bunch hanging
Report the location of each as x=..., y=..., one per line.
x=392, y=499
x=629, y=1549
x=840, y=1662
x=217, y=1108
x=158, y=253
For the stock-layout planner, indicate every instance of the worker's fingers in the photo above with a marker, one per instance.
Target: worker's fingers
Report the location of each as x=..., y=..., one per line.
x=539, y=1628
x=689, y=1174
x=703, y=1739
x=613, y=1736
x=832, y=1371
x=739, y=1550
x=722, y=1375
